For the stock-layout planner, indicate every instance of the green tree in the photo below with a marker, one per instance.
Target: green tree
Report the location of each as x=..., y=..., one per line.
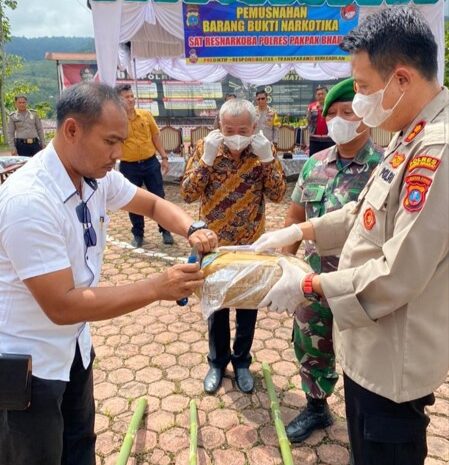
x=5, y=35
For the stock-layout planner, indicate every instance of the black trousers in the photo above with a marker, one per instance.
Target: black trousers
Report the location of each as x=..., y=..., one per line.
x=25, y=149
x=383, y=432
x=146, y=172
x=58, y=427
x=220, y=338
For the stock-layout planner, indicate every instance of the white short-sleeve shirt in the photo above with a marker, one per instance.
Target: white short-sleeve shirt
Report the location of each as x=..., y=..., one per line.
x=40, y=233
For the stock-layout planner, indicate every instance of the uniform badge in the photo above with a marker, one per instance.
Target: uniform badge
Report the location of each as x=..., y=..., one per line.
x=369, y=219
x=397, y=160
x=424, y=161
x=414, y=132
x=416, y=191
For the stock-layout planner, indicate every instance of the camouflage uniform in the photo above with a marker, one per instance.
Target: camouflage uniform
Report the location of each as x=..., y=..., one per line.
x=325, y=184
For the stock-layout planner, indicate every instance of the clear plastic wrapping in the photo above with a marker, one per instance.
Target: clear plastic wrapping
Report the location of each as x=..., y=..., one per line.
x=239, y=277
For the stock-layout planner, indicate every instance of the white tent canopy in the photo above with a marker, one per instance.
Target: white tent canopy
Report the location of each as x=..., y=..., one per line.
x=155, y=31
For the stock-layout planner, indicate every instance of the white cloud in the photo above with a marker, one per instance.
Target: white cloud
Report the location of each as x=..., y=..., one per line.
x=51, y=18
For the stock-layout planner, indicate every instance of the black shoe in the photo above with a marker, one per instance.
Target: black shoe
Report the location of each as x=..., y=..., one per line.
x=167, y=238
x=315, y=416
x=244, y=380
x=137, y=241
x=213, y=379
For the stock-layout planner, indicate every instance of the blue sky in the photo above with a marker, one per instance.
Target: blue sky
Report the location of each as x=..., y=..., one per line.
x=41, y=18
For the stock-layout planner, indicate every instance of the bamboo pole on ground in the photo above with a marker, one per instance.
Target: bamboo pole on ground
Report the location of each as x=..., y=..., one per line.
x=193, y=433
x=132, y=430
x=284, y=443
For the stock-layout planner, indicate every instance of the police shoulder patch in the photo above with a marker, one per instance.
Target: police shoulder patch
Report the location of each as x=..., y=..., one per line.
x=397, y=159
x=416, y=191
x=424, y=161
x=414, y=132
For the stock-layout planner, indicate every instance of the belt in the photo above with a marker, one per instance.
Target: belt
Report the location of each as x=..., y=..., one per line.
x=138, y=161
x=30, y=140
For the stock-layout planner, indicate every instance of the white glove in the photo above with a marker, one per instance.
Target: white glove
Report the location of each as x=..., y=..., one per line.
x=287, y=293
x=277, y=239
x=262, y=148
x=211, y=143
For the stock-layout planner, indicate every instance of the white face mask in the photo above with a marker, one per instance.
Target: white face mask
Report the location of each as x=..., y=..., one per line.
x=370, y=108
x=341, y=130
x=237, y=142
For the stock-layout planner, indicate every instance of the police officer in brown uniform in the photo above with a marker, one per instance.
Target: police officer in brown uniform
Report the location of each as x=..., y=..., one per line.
x=25, y=133
x=389, y=297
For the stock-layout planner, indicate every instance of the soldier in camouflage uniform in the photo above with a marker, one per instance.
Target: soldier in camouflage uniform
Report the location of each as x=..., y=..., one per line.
x=329, y=179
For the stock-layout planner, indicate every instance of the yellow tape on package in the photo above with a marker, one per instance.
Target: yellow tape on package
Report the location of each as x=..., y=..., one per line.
x=238, y=277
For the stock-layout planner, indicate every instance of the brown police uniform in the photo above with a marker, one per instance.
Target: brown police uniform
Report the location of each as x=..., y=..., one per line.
x=25, y=132
x=390, y=295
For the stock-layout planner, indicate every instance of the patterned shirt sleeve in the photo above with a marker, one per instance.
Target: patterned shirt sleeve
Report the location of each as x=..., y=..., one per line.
x=196, y=176
x=274, y=181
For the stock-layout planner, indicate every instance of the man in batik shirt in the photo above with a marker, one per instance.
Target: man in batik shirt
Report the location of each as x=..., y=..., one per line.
x=231, y=172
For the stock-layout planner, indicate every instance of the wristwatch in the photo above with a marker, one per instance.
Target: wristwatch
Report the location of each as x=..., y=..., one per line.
x=307, y=288
x=196, y=226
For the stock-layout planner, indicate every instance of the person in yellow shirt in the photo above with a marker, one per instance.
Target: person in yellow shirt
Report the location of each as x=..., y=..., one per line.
x=139, y=163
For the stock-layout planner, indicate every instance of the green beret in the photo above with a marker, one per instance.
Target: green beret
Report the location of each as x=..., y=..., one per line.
x=341, y=92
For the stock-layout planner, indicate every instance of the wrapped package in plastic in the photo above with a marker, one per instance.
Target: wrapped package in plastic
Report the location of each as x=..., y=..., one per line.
x=239, y=277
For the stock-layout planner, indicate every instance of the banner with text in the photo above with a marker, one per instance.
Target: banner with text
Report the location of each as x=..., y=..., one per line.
x=237, y=33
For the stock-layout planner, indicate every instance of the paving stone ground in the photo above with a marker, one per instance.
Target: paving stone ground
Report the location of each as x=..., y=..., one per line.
x=160, y=352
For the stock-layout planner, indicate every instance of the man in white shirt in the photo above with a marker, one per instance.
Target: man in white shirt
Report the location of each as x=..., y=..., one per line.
x=53, y=222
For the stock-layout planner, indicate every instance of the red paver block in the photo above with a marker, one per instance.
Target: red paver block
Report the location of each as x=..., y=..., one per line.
x=177, y=373
x=160, y=420
x=121, y=375
x=175, y=403
x=101, y=423
x=210, y=437
x=126, y=351
x=191, y=387
x=267, y=355
x=174, y=440
x=228, y=457
x=268, y=435
x=285, y=368
x=107, y=443
x=165, y=338
x=242, y=436
x=338, y=431
x=303, y=455
x=264, y=455
x=438, y=447
x=105, y=390
x=182, y=458
x=190, y=336
x=163, y=360
x=149, y=375
x=177, y=348
x=333, y=454
x=133, y=389
x=439, y=426
x=161, y=388
x=152, y=349
x=223, y=418
x=137, y=362
x=114, y=406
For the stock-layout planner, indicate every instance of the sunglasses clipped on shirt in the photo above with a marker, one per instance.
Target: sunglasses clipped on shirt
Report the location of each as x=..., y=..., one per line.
x=83, y=214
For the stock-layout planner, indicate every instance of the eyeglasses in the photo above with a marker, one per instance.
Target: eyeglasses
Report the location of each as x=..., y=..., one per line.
x=83, y=214
x=260, y=98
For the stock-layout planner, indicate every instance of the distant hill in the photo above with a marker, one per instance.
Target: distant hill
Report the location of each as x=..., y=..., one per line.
x=35, y=49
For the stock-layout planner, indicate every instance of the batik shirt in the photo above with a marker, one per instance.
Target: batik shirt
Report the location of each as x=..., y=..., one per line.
x=232, y=192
